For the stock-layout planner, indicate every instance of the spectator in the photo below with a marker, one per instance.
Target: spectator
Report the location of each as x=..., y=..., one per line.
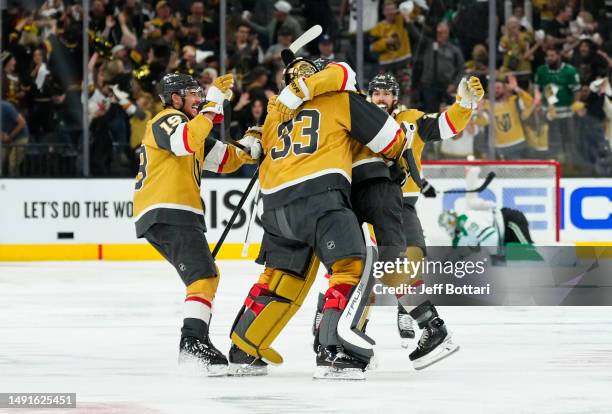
x=244, y=53
x=207, y=21
x=391, y=39
x=546, y=9
x=558, y=83
x=13, y=89
x=535, y=125
x=512, y=106
x=479, y=65
x=559, y=28
x=588, y=63
x=444, y=67
x=14, y=138
x=272, y=57
x=196, y=38
x=515, y=45
x=326, y=49
x=282, y=18
x=45, y=93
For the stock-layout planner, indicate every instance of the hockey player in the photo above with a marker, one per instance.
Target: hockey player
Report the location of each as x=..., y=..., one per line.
x=374, y=201
x=435, y=342
x=305, y=185
x=168, y=210
x=482, y=224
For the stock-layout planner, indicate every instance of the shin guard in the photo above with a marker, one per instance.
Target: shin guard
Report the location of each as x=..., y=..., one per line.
x=268, y=308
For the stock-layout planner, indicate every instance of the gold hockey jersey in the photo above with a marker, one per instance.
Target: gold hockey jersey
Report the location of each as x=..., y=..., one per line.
x=173, y=154
x=509, y=115
x=398, y=48
x=431, y=127
x=311, y=153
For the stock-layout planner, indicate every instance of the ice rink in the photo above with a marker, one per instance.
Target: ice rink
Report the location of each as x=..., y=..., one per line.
x=109, y=331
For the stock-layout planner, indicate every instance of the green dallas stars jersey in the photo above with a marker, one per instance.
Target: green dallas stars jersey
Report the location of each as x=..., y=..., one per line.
x=560, y=83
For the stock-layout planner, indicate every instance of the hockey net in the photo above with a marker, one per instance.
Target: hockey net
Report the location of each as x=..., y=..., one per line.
x=529, y=186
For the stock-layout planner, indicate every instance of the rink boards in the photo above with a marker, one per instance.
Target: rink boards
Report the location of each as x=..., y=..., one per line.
x=91, y=219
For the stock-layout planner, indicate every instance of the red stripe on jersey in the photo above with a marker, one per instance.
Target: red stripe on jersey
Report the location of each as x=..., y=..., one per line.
x=392, y=141
x=450, y=124
x=225, y=157
x=345, y=76
x=186, y=139
x=199, y=299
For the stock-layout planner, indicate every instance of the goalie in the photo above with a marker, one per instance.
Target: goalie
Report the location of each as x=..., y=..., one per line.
x=482, y=224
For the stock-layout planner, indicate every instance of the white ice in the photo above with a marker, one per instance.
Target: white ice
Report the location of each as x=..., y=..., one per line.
x=109, y=331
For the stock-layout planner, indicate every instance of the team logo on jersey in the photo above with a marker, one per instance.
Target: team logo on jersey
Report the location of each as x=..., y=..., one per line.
x=331, y=245
x=182, y=267
x=504, y=123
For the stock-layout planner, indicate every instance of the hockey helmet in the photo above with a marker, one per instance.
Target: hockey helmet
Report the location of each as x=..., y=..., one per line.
x=448, y=221
x=299, y=67
x=177, y=83
x=384, y=82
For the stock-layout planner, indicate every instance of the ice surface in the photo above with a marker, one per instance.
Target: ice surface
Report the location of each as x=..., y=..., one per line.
x=109, y=331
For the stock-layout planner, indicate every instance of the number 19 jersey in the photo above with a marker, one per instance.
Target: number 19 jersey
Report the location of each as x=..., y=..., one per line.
x=173, y=154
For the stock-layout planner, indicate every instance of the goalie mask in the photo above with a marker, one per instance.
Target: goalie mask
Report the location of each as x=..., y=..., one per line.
x=384, y=82
x=297, y=68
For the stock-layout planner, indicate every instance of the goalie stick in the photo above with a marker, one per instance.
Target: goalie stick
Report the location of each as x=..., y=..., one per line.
x=490, y=176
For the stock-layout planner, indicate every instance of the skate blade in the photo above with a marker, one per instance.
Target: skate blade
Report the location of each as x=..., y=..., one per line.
x=445, y=349
x=246, y=370
x=193, y=367
x=337, y=374
x=406, y=343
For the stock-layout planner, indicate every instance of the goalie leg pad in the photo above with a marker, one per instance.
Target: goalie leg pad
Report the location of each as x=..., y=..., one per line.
x=344, y=308
x=268, y=308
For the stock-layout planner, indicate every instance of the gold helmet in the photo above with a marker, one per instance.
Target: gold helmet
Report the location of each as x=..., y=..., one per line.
x=296, y=67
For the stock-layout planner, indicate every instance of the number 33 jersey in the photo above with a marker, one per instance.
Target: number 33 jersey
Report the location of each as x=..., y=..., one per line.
x=173, y=154
x=311, y=153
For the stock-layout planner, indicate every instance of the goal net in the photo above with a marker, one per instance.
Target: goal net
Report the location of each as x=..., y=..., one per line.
x=529, y=186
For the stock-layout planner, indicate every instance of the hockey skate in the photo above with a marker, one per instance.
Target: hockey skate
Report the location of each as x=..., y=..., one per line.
x=405, y=326
x=435, y=344
x=334, y=364
x=199, y=355
x=243, y=364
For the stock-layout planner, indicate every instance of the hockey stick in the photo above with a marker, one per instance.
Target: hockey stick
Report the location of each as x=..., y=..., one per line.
x=480, y=189
x=288, y=55
x=236, y=212
x=247, y=244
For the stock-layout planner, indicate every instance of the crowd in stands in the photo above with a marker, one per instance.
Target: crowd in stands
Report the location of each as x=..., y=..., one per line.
x=552, y=85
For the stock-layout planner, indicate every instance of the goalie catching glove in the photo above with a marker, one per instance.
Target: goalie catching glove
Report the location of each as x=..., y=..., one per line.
x=470, y=92
x=215, y=96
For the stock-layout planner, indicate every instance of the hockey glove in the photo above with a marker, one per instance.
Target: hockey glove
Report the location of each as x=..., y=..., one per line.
x=251, y=141
x=294, y=94
x=215, y=109
x=220, y=86
x=469, y=92
x=428, y=190
x=285, y=113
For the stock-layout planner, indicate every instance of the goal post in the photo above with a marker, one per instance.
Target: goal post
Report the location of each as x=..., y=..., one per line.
x=531, y=186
